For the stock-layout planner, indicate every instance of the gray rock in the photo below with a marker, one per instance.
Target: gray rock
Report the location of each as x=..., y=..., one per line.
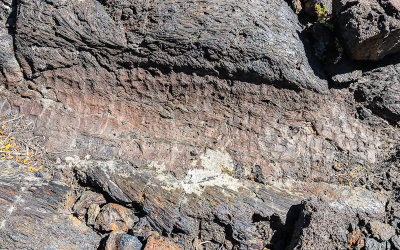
x=378, y=90
x=323, y=224
x=34, y=213
x=118, y=240
x=396, y=241
x=381, y=230
x=231, y=39
x=372, y=244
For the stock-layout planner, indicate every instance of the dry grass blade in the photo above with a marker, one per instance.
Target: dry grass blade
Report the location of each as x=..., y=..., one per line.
x=18, y=143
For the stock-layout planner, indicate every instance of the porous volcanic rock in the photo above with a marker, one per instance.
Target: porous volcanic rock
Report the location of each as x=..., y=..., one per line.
x=370, y=29
x=324, y=224
x=378, y=90
x=212, y=37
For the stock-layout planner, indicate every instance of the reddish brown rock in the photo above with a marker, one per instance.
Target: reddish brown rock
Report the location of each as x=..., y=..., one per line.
x=355, y=240
x=86, y=199
x=114, y=217
x=155, y=242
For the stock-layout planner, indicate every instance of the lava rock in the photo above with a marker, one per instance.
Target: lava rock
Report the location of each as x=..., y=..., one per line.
x=381, y=230
x=396, y=241
x=378, y=90
x=92, y=213
x=372, y=244
x=237, y=39
x=34, y=213
x=155, y=242
x=142, y=229
x=114, y=217
x=86, y=199
x=368, y=31
x=355, y=240
x=119, y=240
x=323, y=224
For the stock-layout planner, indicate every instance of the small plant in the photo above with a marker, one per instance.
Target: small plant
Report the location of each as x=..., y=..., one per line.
x=226, y=170
x=322, y=13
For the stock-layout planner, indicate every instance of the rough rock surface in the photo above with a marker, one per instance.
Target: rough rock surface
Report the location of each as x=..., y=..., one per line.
x=378, y=90
x=104, y=88
x=218, y=105
x=324, y=225
x=370, y=29
x=212, y=37
x=86, y=199
x=381, y=230
x=114, y=217
x=32, y=214
x=118, y=240
x=208, y=203
x=155, y=242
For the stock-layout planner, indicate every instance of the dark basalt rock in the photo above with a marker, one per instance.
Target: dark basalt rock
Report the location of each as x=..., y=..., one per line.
x=325, y=224
x=369, y=31
x=229, y=39
x=220, y=208
x=378, y=90
x=32, y=214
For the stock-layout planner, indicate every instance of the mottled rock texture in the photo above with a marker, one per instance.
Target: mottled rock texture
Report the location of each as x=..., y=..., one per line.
x=218, y=105
x=231, y=213
x=172, y=84
x=86, y=199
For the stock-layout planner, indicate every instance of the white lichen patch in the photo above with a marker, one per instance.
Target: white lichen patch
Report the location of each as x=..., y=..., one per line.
x=158, y=167
x=197, y=179
x=214, y=160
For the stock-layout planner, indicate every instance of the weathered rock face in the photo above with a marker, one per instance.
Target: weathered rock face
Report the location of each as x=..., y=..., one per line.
x=104, y=88
x=378, y=90
x=114, y=217
x=32, y=215
x=370, y=29
x=207, y=38
x=210, y=105
x=213, y=206
x=86, y=200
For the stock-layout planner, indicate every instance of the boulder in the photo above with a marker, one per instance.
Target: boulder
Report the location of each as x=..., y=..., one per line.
x=324, y=223
x=382, y=231
x=378, y=90
x=114, y=217
x=86, y=199
x=119, y=240
x=370, y=29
